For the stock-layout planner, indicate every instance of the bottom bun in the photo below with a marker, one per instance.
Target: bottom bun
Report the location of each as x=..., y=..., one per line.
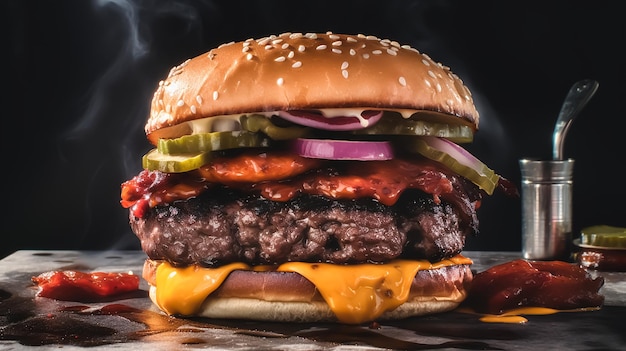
x=305, y=312
x=291, y=298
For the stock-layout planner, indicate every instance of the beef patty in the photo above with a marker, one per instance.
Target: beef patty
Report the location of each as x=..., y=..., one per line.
x=223, y=226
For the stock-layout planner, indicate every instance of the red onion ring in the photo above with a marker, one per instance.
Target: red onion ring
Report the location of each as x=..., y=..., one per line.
x=343, y=149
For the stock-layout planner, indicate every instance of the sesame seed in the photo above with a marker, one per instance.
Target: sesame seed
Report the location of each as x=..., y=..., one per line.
x=337, y=43
x=215, y=95
x=425, y=62
x=392, y=52
x=351, y=39
x=280, y=59
x=280, y=81
x=311, y=35
x=402, y=81
x=344, y=73
x=345, y=65
x=180, y=103
x=284, y=46
x=352, y=52
x=333, y=37
x=432, y=74
x=427, y=83
x=438, y=87
x=199, y=99
x=193, y=109
x=395, y=44
x=371, y=37
x=301, y=48
x=245, y=49
x=277, y=41
x=295, y=36
x=249, y=56
x=377, y=52
x=297, y=64
x=264, y=41
x=366, y=56
x=226, y=44
x=269, y=47
x=321, y=47
x=291, y=54
x=176, y=70
x=336, y=51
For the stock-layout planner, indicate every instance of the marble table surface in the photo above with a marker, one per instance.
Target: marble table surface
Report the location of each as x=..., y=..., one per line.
x=132, y=322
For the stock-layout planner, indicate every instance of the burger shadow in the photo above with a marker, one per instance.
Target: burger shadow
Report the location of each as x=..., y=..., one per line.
x=458, y=330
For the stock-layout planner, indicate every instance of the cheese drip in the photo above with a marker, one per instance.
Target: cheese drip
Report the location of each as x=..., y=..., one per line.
x=359, y=293
x=182, y=290
x=354, y=293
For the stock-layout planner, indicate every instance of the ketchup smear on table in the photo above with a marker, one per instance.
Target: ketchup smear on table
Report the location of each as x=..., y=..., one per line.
x=522, y=283
x=70, y=285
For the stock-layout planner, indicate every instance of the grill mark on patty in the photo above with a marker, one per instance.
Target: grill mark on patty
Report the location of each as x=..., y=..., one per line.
x=228, y=226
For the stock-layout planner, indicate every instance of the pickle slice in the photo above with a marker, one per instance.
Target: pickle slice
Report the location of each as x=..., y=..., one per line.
x=196, y=143
x=258, y=123
x=604, y=236
x=457, y=159
x=156, y=161
x=459, y=133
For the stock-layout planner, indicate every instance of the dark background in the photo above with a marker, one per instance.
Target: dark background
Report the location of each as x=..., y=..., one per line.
x=81, y=75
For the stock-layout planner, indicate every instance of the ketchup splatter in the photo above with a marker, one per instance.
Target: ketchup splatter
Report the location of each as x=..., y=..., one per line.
x=522, y=283
x=73, y=285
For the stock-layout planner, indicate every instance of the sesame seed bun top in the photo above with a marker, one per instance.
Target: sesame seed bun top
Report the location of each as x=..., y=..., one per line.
x=307, y=71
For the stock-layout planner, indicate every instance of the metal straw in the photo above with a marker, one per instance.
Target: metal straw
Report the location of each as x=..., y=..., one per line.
x=579, y=94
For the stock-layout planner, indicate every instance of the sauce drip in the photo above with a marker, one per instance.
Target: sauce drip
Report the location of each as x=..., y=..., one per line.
x=515, y=316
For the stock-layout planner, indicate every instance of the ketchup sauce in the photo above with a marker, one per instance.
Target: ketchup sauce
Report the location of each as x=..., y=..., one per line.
x=521, y=283
x=73, y=285
x=281, y=177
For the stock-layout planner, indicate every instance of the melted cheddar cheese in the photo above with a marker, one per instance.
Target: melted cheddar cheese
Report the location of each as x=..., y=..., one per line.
x=355, y=293
x=182, y=290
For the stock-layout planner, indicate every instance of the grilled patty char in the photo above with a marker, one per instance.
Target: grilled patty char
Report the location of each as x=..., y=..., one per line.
x=225, y=225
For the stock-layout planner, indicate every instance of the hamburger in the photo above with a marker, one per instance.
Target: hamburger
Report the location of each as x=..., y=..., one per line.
x=308, y=177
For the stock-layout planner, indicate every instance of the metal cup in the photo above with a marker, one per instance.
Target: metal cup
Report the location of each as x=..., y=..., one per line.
x=546, y=208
